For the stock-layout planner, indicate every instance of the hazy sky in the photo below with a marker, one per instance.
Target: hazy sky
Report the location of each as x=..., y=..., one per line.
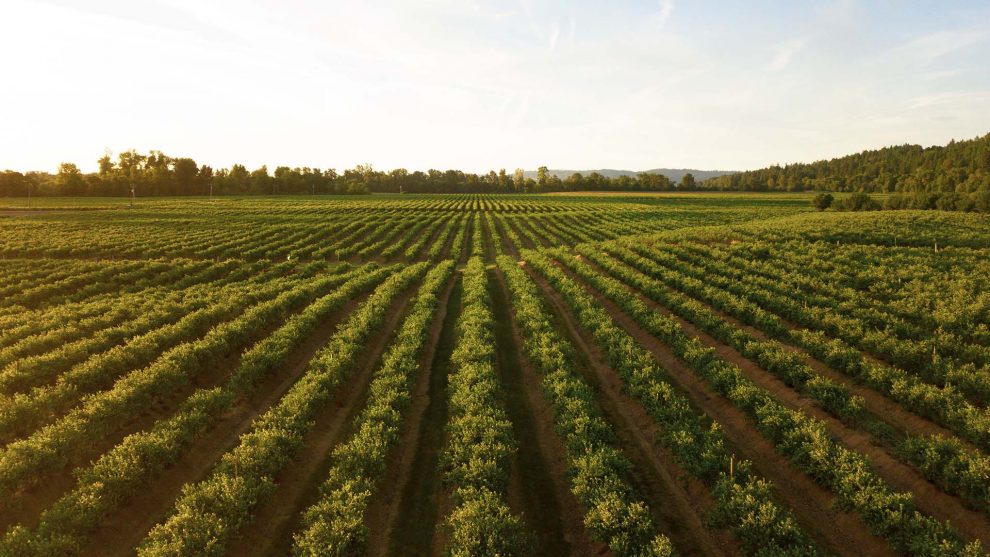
x=477, y=85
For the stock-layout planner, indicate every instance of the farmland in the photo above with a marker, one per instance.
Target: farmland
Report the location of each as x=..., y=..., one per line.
x=689, y=374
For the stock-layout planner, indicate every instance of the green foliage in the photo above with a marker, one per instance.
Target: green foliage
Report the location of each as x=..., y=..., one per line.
x=960, y=166
x=475, y=458
x=334, y=525
x=698, y=445
x=613, y=513
x=128, y=467
x=211, y=511
x=858, y=202
x=822, y=201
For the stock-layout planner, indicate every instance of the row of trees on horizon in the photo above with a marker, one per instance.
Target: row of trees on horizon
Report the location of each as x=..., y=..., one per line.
x=158, y=174
x=960, y=167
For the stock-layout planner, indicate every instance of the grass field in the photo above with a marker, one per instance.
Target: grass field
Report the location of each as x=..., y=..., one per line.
x=703, y=374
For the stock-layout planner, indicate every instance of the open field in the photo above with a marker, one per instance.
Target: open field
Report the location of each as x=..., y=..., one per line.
x=702, y=374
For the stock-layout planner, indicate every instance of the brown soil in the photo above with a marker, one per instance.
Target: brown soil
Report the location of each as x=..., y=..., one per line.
x=488, y=237
x=538, y=488
x=448, y=243
x=407, y=509
x=26, y=213
x=466, y=241
x=514, y=224
x=423, y=418
x=297, y=485
x=677, y=501
x=508, y=247
x=541, y=235
x=929, y=498
x=120, y=532
x=876, y=403
x=837, y=532
x=26, y=505
x=421, y=254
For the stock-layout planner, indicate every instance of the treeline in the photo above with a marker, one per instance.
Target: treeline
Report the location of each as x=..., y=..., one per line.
x=960, y=167
x=978, y=201
x=158, y=174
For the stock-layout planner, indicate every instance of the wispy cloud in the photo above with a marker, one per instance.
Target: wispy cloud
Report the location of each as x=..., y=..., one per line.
x=666, y=10
x=937, y=44
x=554, y=35
x=785, y=53
x=483, y=83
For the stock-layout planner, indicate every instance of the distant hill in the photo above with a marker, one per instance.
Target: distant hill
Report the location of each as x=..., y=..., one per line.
x=674, y=174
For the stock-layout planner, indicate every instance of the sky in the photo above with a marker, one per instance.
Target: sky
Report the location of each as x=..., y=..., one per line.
x=479, y=85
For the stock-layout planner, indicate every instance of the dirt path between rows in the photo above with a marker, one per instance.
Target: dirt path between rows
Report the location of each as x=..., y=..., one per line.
x=867, y=355
x=405, y=513
x=420, y=254
x=466, y=244
x=30, y=212
x=539, y=487
x=26, y=505
x=545, y=239
x=929, y=498
x=448, y=242
x=877, y=403
x=488, y=239
x=120, y=532
x=513, y=223
x=837, y=532
x=676, y=501
x=508, y=247
x=297, y=485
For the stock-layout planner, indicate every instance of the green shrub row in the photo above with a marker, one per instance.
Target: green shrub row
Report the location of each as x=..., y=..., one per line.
x=919, y=356
x=479, y=440
x=493, y=234
x=52, y=446
x=743, y=501
x=25, y=411
x=613, y=514
x=414, y=248
x=965, y=477
x=436, y=249
x=769, y=355
x=334, y=525
x=210, y=512
x=130, y=466
x=806, y=442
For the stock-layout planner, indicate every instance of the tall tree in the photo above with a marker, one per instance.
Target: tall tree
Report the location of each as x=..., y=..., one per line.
x=519, y=181
x=185, y=170
x=70, y=180
x=542, y=176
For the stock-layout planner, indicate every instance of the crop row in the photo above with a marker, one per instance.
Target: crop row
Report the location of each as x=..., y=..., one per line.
x=334, y=525
x=961, y=474
x=944, y=405
x=613, y=513
x=743, y=500
x=210, y=512
x=52, y=446
x=123, y=471
x=479, y=439
x=921, y=353
x=805, y=442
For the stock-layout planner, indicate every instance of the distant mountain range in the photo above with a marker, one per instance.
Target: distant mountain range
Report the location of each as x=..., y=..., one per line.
x=674, y=174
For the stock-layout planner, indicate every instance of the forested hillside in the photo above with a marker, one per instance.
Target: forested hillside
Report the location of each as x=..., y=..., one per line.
x=960, y=166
